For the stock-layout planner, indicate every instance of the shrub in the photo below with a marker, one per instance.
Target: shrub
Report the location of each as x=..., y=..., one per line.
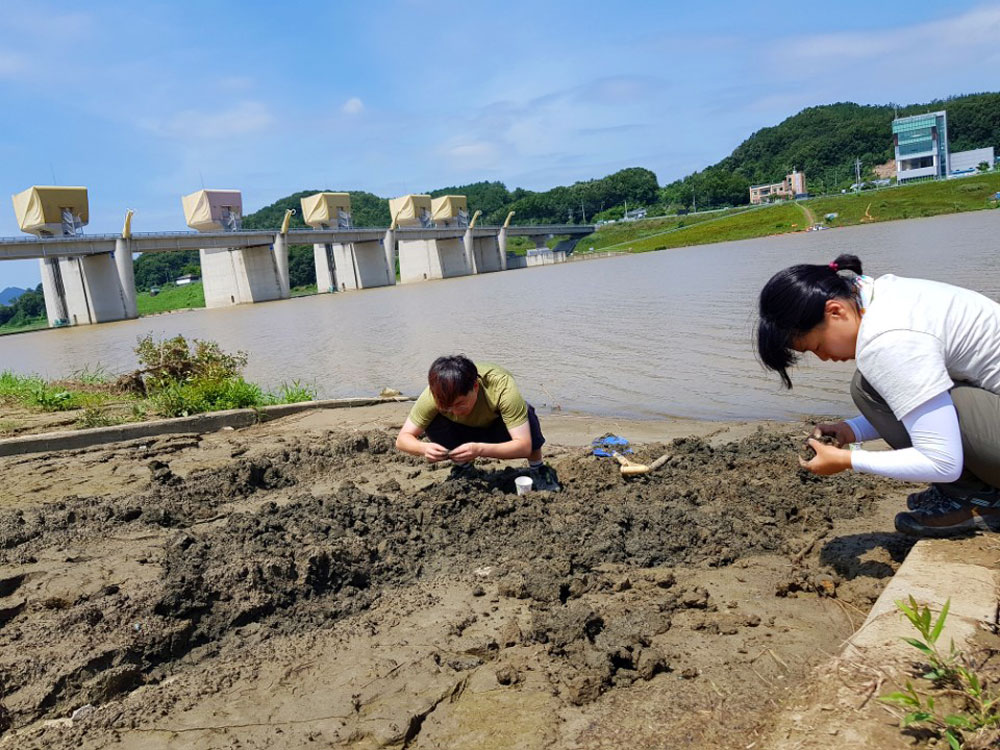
x=163, y=363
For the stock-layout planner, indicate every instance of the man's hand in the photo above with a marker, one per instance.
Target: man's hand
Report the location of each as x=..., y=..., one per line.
x=828, y=459
x=839, y=431
x=466, y=452
x=434, y=452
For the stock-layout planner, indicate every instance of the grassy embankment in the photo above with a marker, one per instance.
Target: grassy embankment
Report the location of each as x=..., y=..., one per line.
x=174, y=379
x=33, y=324
x=171, y=298
x=906, y=202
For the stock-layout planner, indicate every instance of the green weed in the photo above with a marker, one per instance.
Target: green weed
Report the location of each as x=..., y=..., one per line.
x=950, y=674
x=292, y=393
x=48, y=398
x=96, y=417
x=87, y=375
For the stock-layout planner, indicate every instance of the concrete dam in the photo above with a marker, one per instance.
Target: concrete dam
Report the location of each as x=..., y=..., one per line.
x=90, y=279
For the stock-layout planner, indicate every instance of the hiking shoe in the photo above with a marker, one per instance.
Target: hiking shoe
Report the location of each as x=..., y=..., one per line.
x=951, y=518
x=544, y=478
x=928, y=499
x=463, y=471
x=934, y=497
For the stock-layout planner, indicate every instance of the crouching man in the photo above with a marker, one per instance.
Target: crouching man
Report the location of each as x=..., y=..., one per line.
x=470, y=410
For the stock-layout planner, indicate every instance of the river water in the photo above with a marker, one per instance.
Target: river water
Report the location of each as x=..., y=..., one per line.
x=641, y=336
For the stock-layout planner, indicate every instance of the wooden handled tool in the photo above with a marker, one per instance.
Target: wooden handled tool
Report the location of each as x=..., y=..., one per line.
x=629, y=468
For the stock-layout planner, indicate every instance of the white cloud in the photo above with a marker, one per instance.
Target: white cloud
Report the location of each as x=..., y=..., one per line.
x=242, y=119
x=353, y=106
x=967, y=34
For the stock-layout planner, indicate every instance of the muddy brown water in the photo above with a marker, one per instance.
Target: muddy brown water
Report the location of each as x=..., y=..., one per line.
x=665, y=333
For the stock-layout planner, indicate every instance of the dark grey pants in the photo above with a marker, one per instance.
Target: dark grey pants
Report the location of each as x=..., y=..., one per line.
x=978, y=419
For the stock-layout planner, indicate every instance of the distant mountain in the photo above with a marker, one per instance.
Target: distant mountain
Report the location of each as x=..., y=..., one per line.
x=10, y=294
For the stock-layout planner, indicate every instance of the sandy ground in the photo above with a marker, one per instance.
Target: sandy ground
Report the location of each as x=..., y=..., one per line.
x=302, y=584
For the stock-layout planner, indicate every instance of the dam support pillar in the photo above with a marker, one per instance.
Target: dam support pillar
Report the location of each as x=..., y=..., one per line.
x=326, y=277
x=487, y=255
x=363, y=265
x=126, y=276
x=502, y=247
x=280, y=250
x=469, y=246
x=421, y=260
x=54, y=292
x=239, y=276
x=83, y=290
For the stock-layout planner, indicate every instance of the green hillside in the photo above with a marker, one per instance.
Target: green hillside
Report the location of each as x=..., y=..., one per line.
x=824, y=141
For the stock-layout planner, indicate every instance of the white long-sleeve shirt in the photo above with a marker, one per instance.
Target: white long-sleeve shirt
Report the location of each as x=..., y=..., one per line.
x=936, y=455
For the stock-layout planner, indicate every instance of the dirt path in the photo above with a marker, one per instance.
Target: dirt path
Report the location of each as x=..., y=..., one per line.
x=299, y=585
x=810, y=217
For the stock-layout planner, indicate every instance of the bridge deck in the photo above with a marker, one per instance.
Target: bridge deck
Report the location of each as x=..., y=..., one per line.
x=18, y=248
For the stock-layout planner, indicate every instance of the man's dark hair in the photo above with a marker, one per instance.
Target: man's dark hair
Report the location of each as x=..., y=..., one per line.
x=450, y=378
x=793, y=302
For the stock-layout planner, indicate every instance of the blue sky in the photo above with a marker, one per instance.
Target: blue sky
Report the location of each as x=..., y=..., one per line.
x=143, y=102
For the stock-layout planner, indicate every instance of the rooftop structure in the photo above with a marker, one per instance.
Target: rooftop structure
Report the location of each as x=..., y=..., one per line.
x=327, y=210
x=411, y=210
x=214, y=210
x=49, y=211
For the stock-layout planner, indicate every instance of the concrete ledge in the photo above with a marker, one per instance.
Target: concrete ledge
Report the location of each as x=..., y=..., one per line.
x=840, y=708
x=199, y=423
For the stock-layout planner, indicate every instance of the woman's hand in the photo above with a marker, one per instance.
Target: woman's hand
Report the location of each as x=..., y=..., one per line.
x=828, y=459
x=434, y=452
x=839, y=431
x=466, y=452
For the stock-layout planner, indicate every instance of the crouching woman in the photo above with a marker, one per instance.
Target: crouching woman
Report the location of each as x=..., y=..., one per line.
x=469, y=411
x=927, y=382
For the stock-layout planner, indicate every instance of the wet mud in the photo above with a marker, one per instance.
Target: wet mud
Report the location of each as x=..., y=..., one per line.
x=117, y=610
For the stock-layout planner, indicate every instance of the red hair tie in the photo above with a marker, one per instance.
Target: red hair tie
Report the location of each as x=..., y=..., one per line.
x=834, y=267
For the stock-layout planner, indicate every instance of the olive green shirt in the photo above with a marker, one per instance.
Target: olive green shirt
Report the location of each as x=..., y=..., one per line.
x=498, y=396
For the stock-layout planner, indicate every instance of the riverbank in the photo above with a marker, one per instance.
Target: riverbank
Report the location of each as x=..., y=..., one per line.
x=301, y=581
x=889, y=204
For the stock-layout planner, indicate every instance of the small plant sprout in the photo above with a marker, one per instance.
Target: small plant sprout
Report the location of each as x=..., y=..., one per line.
x=943, y=665
x=973, y=705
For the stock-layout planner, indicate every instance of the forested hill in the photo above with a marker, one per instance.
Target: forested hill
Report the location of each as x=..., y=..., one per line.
x=560, y=205
x=824, y=141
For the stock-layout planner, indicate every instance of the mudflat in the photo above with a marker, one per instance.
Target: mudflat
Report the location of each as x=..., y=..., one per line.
x=303, y=584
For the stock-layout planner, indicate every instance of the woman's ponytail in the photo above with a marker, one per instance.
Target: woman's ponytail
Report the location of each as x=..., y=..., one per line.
x=847, y=262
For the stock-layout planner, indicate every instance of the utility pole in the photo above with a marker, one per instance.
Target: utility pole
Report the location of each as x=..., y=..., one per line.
x=583, y=211
x=694, y=201
x=857, y=175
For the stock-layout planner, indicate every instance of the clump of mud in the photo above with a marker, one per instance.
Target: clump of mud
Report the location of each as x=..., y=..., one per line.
x=254, y=544
x=807, y=452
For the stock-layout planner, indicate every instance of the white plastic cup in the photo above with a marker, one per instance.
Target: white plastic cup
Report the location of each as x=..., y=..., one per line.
x=523, y=485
